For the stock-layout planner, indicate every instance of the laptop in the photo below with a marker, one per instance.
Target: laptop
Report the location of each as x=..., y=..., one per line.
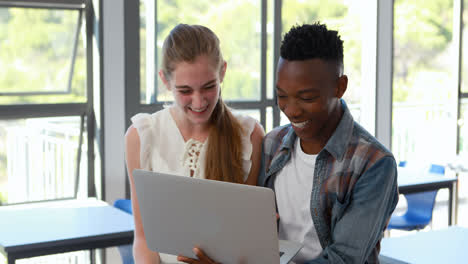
x=232, y=223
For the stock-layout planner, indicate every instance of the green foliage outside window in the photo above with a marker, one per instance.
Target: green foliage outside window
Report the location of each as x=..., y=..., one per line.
x=422, y=42
x=236, y=23
x=36, y=48
x=337, y=15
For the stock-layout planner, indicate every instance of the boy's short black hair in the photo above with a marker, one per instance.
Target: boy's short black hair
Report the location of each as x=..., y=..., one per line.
x=313, y=41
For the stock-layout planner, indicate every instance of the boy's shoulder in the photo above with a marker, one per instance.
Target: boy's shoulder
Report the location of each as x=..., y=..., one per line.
x=364, y=138
x=279, y=132
x=275, y=138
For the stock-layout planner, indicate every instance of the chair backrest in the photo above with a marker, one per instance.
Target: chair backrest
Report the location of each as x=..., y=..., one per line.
x=124, y=205
x=126, y=251
x=435, y=168
x=421, y=205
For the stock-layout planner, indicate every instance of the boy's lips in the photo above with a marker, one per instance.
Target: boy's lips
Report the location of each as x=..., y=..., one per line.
x=300, y=124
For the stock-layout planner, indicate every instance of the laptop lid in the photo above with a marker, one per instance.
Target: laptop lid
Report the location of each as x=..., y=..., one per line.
x=232, y=223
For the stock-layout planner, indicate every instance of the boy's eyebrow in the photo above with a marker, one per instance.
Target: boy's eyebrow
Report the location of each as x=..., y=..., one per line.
x=309, y=90
x=187, y=86
x=279, y=89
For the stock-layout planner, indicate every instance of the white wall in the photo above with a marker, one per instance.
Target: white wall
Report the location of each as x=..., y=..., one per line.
x=114, y=106
x=383, y=121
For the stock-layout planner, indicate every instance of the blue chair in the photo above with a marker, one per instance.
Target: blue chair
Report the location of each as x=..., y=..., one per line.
x=420, y=206
x=126, y=251
x=124, y=205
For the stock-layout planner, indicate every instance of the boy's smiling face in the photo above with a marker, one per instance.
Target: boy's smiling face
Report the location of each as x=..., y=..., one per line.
x=308, y=93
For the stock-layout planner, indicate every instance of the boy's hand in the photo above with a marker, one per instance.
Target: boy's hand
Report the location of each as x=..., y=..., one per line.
x=202, y=258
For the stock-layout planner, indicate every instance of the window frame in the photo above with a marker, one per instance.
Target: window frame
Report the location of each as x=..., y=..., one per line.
x=132, y=56
x=264, y=104
x=132, y=72
x=83, y=110
x=68, y=87
x=457, y=27
x=46, y=4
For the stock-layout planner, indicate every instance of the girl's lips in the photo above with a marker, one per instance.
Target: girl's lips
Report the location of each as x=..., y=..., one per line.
x=199, y=111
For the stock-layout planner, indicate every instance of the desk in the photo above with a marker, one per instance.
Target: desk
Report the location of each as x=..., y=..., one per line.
x=438, y=246
x=414, y=181
x=56, y=228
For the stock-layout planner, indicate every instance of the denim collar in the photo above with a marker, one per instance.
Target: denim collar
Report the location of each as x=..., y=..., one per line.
x=337, y=143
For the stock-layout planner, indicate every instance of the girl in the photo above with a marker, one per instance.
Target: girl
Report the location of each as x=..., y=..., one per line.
x=198, y=136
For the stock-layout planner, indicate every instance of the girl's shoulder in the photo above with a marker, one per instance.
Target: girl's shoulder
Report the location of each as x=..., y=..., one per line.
x=153, y=125
x=150, y=120
x=246, y=122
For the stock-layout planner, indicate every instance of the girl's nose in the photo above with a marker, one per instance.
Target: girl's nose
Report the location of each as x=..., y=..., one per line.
x=197, y=100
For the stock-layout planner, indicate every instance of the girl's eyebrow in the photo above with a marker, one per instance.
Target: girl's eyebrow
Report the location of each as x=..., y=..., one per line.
x=187, y=86
x=209, y=83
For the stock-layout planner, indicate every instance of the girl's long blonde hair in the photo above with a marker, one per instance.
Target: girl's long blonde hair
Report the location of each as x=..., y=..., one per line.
x=224, y=150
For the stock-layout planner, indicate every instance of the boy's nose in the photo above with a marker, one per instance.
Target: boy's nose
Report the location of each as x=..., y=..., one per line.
x=291, y=110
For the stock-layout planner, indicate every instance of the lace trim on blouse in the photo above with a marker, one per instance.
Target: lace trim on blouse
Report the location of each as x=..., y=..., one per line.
x=191, y=156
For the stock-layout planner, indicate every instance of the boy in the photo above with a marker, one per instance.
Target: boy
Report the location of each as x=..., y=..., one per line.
x=335, y=184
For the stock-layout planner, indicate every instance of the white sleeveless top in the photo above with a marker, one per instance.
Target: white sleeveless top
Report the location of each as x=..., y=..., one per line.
x=163, y=149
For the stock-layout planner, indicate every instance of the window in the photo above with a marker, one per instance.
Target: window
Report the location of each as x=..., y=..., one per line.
x=424, y=81
x=47, y=65
x=43, y=99
x=463, y=100
x=355, y=22
x=40, y=158
x=463, y=124
x=244, y=86
x=240, y=42
x=47, y=123
x=250, y=76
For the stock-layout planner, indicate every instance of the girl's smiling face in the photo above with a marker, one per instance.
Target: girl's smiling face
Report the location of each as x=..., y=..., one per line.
x=196, y=88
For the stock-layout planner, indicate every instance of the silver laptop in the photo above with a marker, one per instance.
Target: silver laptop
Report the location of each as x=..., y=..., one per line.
x=232, y=223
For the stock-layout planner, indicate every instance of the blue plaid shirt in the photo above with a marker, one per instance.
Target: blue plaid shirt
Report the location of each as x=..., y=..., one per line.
x=354, y=189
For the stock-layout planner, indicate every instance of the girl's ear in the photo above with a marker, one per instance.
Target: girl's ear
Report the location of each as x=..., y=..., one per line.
x=164, y=80
x=222, y=72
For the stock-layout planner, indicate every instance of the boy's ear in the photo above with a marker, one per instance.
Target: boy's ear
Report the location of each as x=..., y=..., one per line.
x=341, y=86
